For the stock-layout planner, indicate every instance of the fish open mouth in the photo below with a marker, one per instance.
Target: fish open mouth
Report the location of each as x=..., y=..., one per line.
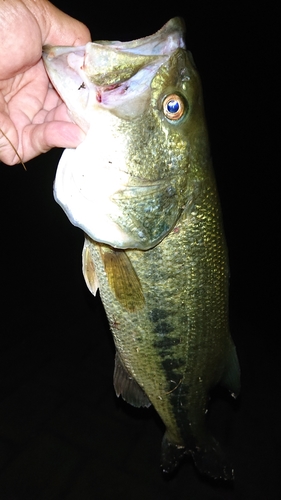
x=110, y=73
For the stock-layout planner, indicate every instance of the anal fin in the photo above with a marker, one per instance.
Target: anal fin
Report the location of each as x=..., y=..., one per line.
x=127, y=387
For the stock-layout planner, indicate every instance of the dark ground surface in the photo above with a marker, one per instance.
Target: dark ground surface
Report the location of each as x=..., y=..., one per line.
x=63, y=433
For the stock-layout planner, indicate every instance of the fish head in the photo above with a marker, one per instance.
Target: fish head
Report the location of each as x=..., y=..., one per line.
x=140, y=105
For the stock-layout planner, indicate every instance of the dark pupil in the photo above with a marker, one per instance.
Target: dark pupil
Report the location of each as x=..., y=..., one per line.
x=173, y=106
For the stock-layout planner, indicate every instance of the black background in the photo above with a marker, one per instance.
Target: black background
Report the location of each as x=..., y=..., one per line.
x=56, y=357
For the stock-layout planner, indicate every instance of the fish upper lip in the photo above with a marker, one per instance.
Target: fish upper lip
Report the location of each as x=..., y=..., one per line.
x=106, y=62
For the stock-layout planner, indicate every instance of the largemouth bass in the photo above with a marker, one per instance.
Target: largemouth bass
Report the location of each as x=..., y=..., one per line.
x=142, y=188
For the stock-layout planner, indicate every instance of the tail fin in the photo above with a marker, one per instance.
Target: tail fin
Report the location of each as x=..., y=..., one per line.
x=212, y=462
x=209, y=459
x=172, y=454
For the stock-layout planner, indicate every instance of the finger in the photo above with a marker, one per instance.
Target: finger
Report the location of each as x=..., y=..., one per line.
x=41, y=138
x=37, y=139
x=59, y=28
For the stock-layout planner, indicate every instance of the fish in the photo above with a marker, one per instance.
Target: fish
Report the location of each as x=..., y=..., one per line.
x=142, y=188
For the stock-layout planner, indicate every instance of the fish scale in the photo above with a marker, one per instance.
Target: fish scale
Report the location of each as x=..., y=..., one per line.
x=170, y=350
x=142, y=188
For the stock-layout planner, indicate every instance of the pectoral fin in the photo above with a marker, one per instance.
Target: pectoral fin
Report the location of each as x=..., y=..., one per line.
x=122, y=278
x=88, y=268
x=126, y=386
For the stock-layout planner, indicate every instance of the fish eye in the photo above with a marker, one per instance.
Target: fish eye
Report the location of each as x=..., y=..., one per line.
x=173, y=107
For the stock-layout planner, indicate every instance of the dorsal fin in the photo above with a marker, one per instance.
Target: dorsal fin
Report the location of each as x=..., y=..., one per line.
x=122, y=278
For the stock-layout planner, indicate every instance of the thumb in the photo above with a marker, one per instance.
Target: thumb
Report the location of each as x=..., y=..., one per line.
x=59, y=28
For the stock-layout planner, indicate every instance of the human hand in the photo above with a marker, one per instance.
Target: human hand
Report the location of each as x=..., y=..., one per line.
x=33, y=118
